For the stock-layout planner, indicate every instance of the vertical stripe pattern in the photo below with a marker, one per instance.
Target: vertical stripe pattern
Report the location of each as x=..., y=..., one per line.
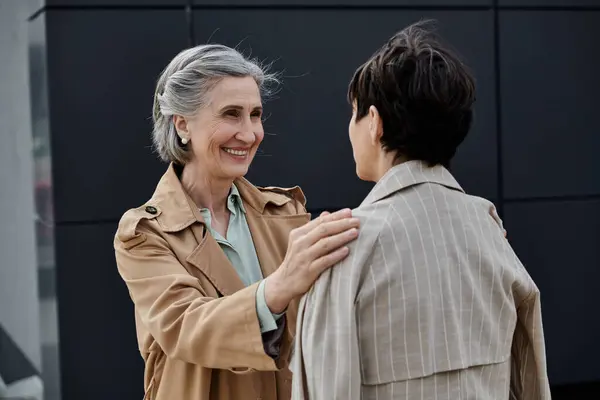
x=432, y=303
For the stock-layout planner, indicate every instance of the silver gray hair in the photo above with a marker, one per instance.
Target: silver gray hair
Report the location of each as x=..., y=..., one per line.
x=184, y=86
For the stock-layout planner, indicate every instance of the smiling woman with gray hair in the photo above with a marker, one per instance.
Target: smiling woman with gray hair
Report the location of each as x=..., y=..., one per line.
x=214, y=264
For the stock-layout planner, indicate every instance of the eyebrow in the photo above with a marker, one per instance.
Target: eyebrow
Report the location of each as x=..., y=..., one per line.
x=238, y=107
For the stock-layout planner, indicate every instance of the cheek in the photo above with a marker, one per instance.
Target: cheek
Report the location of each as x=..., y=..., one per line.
x=352, y=132
x=359, y=139
x=222, y=133
x=355, y=134
x=351, y=125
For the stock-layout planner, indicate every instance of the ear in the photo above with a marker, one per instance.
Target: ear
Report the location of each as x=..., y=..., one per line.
x=181, y=125
x=375, y=126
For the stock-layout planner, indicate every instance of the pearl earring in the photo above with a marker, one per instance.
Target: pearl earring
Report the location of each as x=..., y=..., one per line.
x=184, y=140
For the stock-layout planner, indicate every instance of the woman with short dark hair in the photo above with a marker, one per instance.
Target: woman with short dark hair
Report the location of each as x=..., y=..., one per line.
x=433, y=303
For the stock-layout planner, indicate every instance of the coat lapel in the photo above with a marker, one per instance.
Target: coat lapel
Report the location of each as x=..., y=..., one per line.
x=270, y=236
x=269, y=221
x=209, y=258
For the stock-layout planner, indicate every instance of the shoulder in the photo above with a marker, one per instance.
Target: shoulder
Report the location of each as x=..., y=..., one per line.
x=286, y=200
x=344, y=279
x=373, y=220
x=284, y=194
x=485, y=206
x=129, y=231
x=280, y=197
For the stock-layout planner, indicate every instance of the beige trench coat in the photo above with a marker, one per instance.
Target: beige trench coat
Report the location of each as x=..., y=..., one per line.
x=197, y=326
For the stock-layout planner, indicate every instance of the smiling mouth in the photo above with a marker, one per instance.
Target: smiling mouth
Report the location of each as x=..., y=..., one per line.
x=239, y=153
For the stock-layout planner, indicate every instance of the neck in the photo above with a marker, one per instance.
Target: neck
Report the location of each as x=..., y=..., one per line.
x=205, y=190
x=385, y=162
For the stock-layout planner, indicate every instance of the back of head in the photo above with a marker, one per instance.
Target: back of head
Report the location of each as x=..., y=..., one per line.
x=423, y=93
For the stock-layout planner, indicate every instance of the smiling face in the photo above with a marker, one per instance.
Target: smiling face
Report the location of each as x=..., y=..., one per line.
x=225, y=134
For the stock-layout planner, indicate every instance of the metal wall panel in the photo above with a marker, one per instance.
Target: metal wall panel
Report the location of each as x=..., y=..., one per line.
x=345, y=3
x=103, y=66
x=115, y=3
x=558, y=244
x=318, y=50
x=98, y=348
x=549, y=3
x=550, y=84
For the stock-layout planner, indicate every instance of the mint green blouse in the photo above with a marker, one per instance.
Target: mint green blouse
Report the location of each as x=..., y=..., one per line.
x=239, y=249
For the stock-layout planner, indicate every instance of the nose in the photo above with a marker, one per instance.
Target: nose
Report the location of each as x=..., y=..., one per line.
x=246, y=132
x=246, y=135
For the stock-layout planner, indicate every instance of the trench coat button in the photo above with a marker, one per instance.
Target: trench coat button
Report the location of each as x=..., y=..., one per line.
x=151, y=210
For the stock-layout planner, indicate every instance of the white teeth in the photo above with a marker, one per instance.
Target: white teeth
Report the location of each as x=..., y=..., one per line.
x=236, y=152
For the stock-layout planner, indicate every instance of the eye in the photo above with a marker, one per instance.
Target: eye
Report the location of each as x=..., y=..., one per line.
x=232, y=113
x=256, y=114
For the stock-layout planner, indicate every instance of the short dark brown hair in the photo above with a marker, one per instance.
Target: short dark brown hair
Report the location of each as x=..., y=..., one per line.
x=422, y=91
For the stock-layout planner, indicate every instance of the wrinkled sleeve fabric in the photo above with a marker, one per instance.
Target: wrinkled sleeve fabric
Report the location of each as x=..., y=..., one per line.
x=267, y=319
x=529, y=379
x=272, y=326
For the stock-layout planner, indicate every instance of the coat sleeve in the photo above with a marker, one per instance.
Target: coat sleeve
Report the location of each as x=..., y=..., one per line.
x=529, y=379
x=219, y=333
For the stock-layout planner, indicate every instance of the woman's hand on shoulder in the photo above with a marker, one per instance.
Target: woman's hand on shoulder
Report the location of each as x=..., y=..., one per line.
x=312, y=248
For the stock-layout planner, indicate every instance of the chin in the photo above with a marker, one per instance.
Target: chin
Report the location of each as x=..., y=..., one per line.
x=361, y=175
x=236, y=172
x=364, y=175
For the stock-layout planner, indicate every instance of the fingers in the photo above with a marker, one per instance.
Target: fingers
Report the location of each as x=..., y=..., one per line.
x=326, y=229
x=324, y=217
x=331, y=243
x=329, y=260
x=324, y=213
x=494, y=214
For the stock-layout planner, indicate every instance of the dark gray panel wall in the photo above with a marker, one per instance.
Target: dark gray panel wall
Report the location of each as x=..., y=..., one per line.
x=558, y=243
x=550, y=84
x=326, y=3
x=116, y=3
x=103, y=67
x=103, y=63
x=99, y=356
x=549, y=3
x=310, y=120
x=275, y=3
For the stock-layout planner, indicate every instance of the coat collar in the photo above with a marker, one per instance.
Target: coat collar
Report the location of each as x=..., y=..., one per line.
x=177, y=211
x=407, y=174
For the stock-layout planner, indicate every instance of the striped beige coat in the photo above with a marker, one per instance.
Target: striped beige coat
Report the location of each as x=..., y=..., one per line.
x=431, y=303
